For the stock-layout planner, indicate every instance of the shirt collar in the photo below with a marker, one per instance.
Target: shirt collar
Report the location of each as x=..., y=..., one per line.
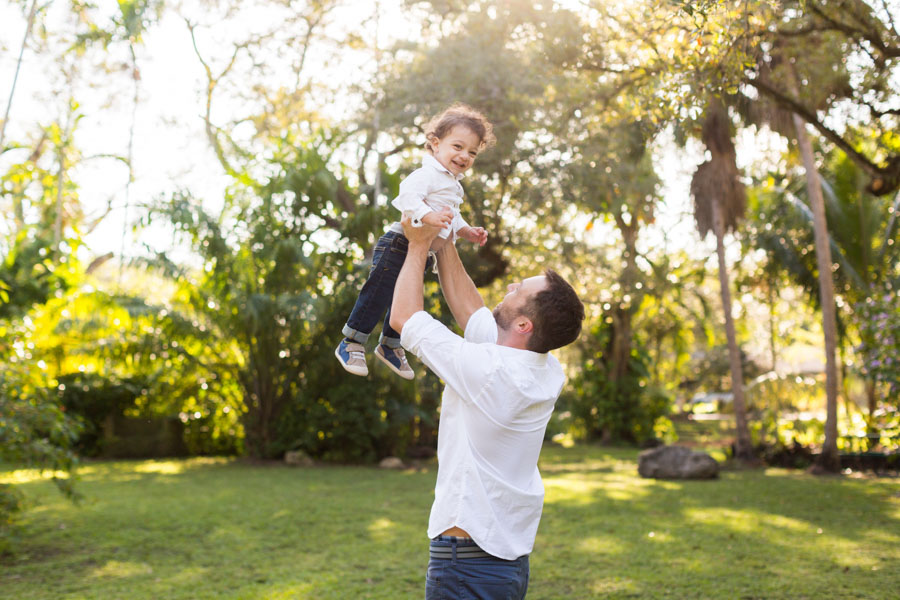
x=537, y=359
x=431, y=161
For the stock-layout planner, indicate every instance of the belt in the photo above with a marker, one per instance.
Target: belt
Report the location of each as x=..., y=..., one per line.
x=461, y=552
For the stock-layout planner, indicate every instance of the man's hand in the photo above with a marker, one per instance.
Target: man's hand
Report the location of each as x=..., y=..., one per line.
x=440, y=219
x=432, y=224
x=476, y=235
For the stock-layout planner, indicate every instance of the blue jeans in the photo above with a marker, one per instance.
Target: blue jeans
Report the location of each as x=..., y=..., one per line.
x=378, y=292
x=488, y=578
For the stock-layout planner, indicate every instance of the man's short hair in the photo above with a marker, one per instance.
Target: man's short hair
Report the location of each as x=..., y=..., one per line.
x=556, y=314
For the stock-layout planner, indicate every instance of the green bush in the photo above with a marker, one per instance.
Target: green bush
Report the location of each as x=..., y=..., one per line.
x=106, y=405
x=10, y=504
x=339, y=417
x=94, y=398
x=879, y=322
x=627, y=410
x=35, y=432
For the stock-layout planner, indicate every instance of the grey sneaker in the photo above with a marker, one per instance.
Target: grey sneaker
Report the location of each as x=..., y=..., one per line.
x=352, y=356
x=395, y=358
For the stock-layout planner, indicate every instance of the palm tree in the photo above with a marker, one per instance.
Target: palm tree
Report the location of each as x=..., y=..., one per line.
x=720, y=201
x=828, y=459
x=861, y=238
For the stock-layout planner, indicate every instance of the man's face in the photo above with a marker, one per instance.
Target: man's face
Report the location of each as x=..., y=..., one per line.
x=517, y=297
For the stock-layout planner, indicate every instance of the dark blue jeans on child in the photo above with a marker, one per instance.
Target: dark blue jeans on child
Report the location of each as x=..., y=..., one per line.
x=378, y=292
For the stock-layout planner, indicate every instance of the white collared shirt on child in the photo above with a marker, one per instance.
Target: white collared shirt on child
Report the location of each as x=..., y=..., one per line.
x=494, y=410
x=430, y=188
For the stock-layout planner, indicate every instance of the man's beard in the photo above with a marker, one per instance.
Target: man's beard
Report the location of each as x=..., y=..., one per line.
x=502, y=317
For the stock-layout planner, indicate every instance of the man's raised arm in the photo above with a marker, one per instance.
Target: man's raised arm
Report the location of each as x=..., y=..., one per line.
x=408, y=290
x=460, y=292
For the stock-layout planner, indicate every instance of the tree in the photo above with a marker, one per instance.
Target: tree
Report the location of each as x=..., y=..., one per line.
x=128, y=26
x=858, y=50
x=34, y=430
x=32, y=12
x=719, y=204
x=275, y=290
x=856, y=60
x=828, y=459
x=610, y=176
x=861, y=237
x=509, y=83
x=760, y=46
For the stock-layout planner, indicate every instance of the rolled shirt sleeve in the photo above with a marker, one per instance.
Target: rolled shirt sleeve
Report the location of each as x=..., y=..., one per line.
x=464, y=366
x=458, y=223
x=413, y=190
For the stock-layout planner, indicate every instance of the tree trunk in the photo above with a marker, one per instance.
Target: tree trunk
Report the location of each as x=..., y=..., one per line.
x=743, y=447
x=872, y=401
x=60, y=183
x=135, y=79
x=829, y=461
x=770, y=285
x=624, y=312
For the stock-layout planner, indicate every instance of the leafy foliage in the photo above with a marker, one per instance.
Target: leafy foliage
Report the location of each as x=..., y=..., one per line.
x=879, y=322
x=863, y=235
x=34, y=430
x=275, y=287
x=625, y=410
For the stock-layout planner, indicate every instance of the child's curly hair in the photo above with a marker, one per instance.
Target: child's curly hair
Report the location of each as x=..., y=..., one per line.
x=460, y=114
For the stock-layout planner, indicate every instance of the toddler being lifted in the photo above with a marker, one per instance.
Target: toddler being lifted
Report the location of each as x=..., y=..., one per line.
x=431, y=194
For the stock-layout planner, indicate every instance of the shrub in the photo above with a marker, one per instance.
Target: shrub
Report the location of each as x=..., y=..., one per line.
x=627, y=410
x=35, y=432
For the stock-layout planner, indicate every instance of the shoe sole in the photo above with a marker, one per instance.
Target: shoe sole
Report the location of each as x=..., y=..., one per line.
x=350, y=369
x=381, y=357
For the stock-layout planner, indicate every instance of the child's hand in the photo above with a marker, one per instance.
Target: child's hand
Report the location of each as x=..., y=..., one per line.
x=476, y=235
x=440, y=219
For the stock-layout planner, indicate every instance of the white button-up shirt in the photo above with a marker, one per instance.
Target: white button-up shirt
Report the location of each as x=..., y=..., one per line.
x=430, y=188
x=495, y=408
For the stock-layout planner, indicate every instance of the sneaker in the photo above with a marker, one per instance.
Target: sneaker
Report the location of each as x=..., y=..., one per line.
x=395, y=358
x=352, y=356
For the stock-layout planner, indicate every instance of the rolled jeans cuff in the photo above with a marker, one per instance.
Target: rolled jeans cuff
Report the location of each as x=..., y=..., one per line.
x=390, y=342
x=356, y=336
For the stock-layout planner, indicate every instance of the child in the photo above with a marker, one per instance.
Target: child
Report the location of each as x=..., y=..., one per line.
x=454, y=139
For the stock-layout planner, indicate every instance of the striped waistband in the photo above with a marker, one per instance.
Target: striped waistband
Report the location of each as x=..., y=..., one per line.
x=462, y=552
x=459, y=548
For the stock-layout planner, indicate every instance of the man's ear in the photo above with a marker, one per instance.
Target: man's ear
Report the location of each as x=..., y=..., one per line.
x=524, y=325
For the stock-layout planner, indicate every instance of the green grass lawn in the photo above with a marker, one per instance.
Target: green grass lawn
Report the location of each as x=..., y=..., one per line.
x=208, y=528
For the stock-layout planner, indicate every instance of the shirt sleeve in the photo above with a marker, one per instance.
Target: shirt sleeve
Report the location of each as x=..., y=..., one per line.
x=458, y=223
x=412, y=194
x=463, y=365
x=482, y=328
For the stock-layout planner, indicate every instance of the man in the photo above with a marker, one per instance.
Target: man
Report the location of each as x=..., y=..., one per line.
x=501, y=387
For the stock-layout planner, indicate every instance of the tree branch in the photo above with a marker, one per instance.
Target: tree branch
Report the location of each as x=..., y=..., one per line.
x=811, y=118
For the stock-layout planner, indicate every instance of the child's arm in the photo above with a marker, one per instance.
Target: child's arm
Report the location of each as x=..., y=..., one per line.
x=476, y=235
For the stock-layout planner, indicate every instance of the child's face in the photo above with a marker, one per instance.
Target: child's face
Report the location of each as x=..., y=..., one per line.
x=457, y=150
